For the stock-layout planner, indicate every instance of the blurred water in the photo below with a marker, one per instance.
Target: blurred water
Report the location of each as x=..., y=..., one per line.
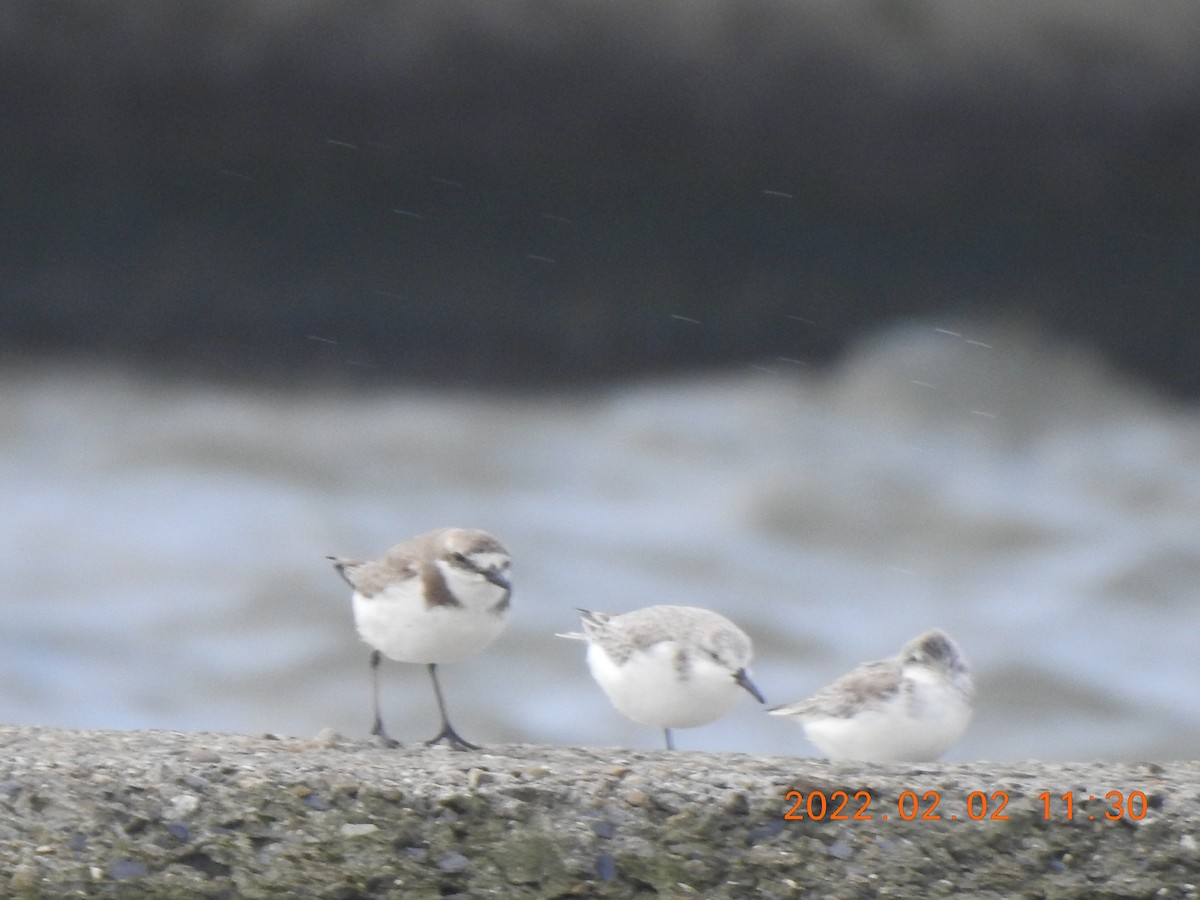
x=162, y=548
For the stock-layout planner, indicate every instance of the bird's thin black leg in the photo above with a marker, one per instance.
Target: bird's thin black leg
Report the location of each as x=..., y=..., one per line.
x=377, y=729
x=447, y=734
x=670, y=740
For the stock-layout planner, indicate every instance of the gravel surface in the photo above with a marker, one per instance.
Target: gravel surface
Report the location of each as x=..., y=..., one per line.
x=163, y=814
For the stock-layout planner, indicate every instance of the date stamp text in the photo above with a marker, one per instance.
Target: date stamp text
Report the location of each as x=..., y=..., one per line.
x=860, y=806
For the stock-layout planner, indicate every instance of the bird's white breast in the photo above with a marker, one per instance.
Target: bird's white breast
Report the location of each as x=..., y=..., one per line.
x=905, y=729
x=648, y=688
x=399, y=623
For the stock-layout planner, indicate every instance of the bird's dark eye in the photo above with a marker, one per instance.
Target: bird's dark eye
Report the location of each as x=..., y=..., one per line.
x=461, y=558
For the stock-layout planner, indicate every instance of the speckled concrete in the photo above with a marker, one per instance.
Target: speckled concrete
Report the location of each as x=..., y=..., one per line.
x=162, y=814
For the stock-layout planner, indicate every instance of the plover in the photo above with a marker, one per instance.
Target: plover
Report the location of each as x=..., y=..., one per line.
x=909, y=708
x=436, y=598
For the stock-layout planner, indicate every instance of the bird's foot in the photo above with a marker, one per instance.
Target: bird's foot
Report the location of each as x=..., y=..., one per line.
x=383, y=739
x=451, y=737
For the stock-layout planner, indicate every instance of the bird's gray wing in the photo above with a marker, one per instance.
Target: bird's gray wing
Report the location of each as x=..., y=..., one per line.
x=858, y=689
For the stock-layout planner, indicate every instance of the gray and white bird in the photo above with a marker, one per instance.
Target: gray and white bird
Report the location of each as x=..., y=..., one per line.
x=668, y=666
x=909, y=708
x=436, y=598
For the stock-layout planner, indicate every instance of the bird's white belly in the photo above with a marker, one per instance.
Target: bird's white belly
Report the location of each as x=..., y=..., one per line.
x=647, y=688
x=397, y=622
x=895, y=732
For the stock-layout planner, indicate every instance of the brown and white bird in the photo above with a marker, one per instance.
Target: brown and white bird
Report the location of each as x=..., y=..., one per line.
x=436, y=598
x=668, y=666
x=908, y=708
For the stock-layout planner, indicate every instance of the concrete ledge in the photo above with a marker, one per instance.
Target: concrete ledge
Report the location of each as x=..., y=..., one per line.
x=161, y=814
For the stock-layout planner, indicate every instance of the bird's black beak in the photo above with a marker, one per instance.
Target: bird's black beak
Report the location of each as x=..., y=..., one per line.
x=743, y=680
x=496, y=577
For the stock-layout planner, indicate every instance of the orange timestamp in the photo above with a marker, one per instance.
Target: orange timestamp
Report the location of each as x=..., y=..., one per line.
x=844, y=806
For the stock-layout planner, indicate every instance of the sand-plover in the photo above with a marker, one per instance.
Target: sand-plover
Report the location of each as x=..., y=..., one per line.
x=436, y=598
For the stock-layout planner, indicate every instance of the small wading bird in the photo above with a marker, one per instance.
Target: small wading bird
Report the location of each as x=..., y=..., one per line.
x=436, y=598
x=907, y=708
x=668, y=666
